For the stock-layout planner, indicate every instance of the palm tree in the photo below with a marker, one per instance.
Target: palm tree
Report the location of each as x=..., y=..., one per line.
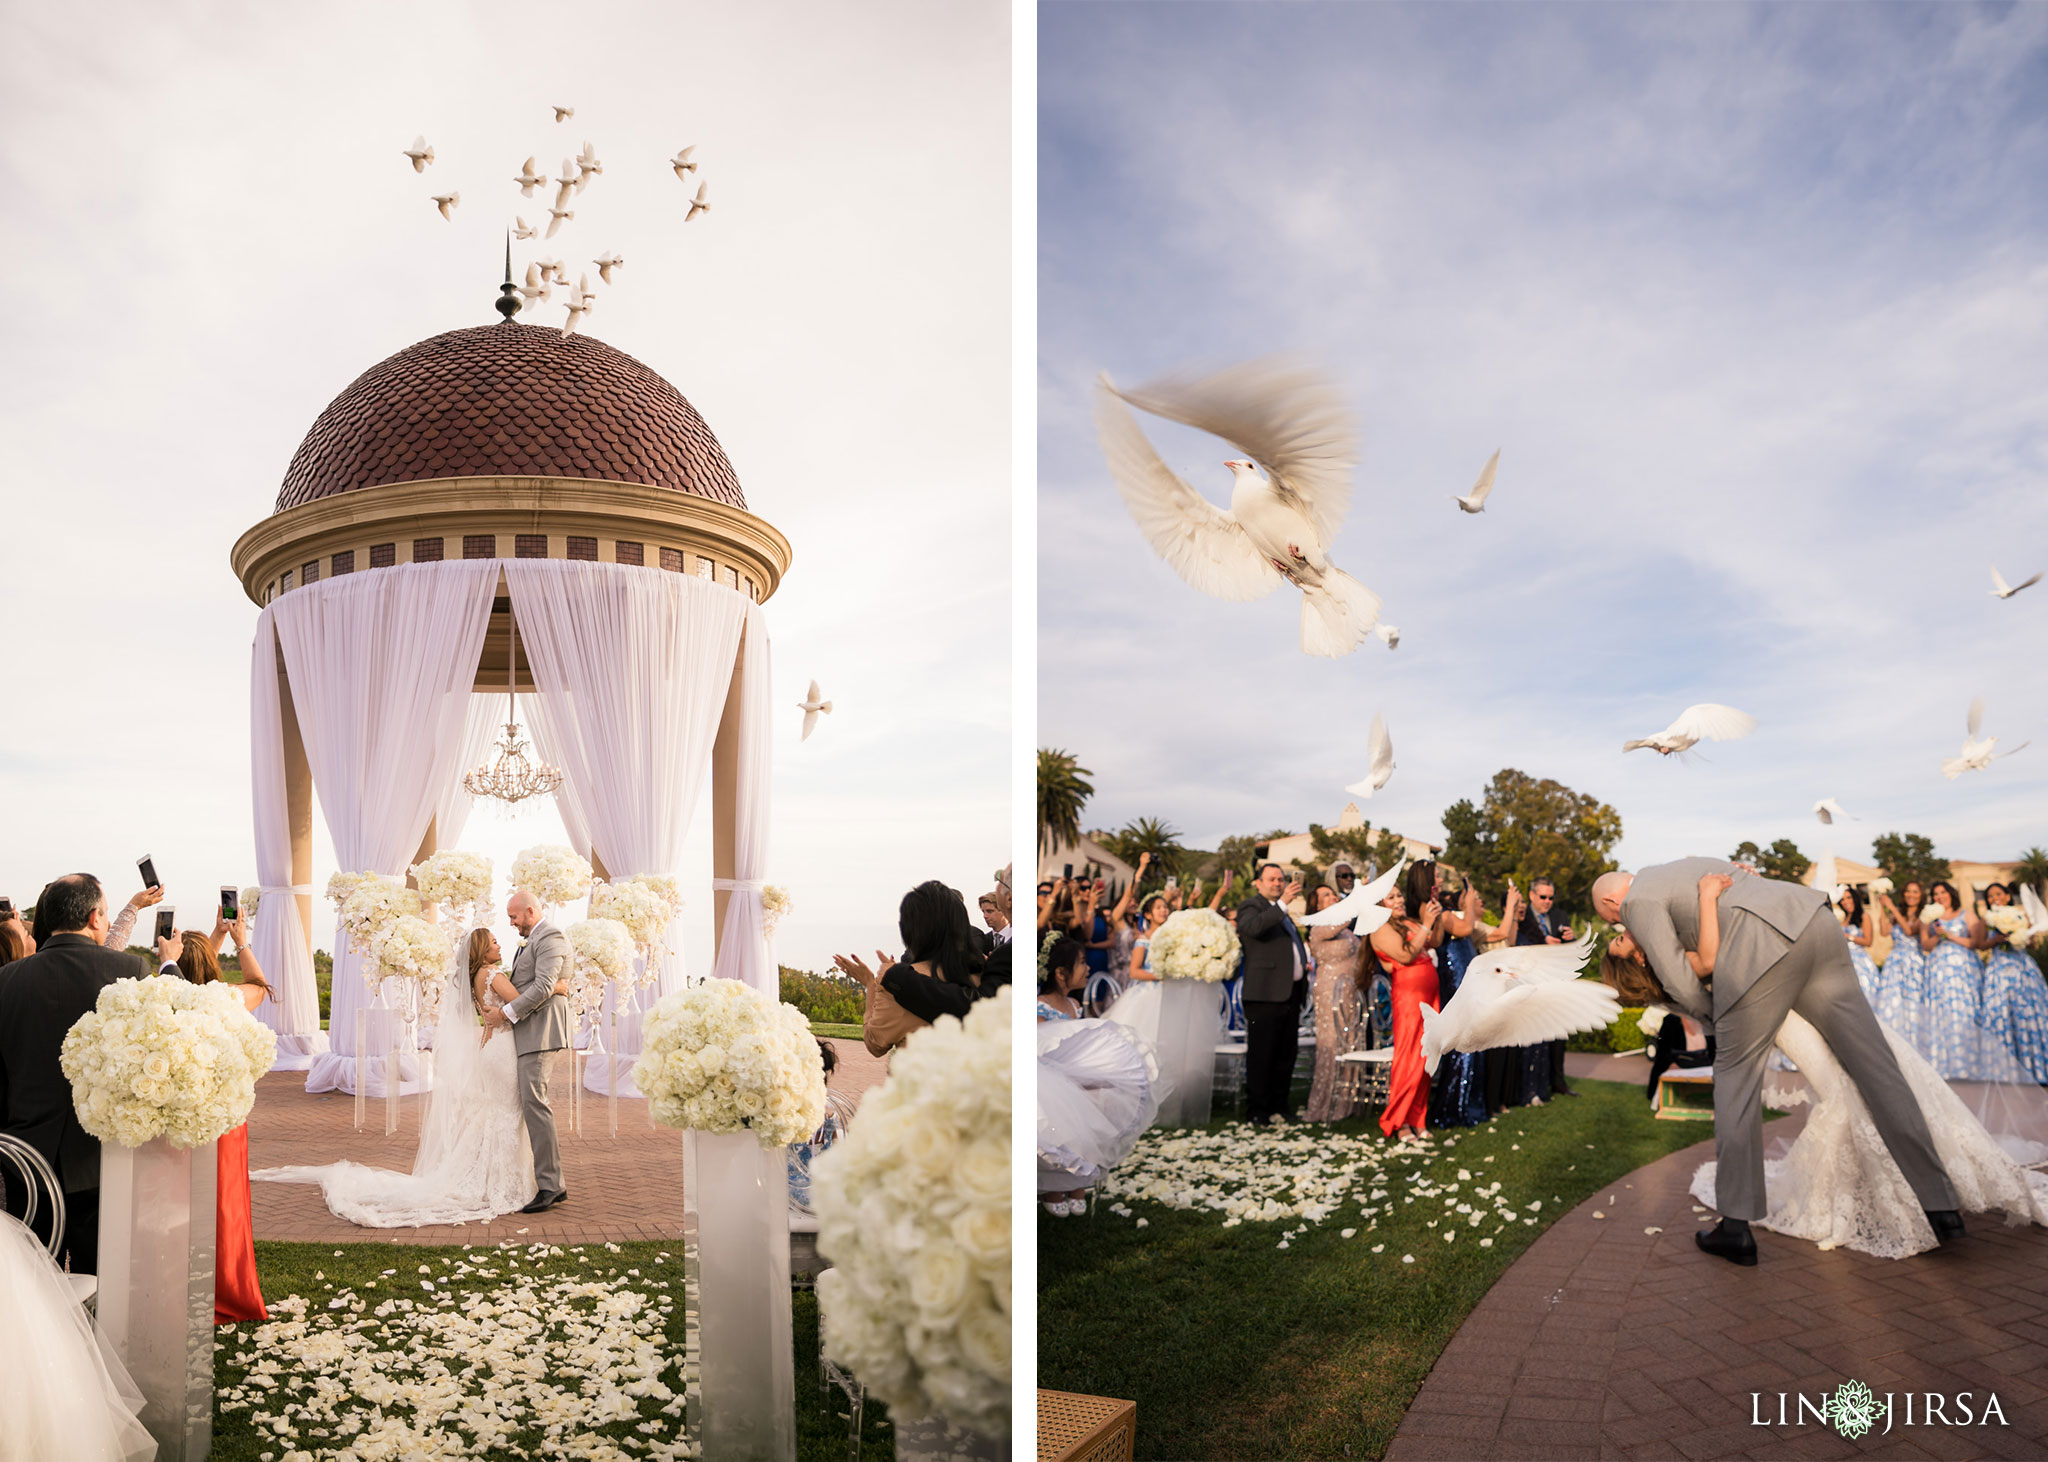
x=1062, y=793
x=1150, y=835
x=2032, y=867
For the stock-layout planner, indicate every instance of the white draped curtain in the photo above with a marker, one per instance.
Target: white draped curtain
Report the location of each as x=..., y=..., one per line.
x=382, y=666
x=630, y=669
x=743, y=952
x=279, y=937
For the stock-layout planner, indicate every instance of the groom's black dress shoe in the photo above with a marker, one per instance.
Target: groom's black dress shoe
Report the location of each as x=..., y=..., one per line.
x=1948, y=1224
x=543, y=1201
x=1728, y=1242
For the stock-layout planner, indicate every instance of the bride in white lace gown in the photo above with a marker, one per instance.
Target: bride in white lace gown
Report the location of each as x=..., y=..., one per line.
x=473, y=1162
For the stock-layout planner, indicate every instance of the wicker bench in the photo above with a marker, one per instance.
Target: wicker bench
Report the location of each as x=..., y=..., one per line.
x=1075, y=1428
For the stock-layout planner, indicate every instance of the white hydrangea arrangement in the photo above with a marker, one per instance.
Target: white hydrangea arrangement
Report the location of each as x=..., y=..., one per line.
x=462, y=882
x=724, y=1057
x=161, y=1057
x=371, y=910
x=342, y=885
x=419, y=951
x=552, y=874
x=644, y=904
x=1195, y=944
x=775, y=905
x=914, y=1215
x=599, y=950
x=251, y=897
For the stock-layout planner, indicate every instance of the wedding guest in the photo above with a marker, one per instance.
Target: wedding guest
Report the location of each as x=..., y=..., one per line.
x=2015, y=999
x=1403, y=944
x=15, y=942
x=1153, y=913
x=1062, y=974
x=1457, y=1093
x=838, y=1117
x=1856, y=928
x=992, y=917
x=1902, y=992
x=1233, y=988
x=41, y=997
x=1508, y=1068
x=237, y=1292
x=1950, y=936
x=1333, y=1093
x=1542, y=924
x=1275, y=987
x=123, y=927
x=1124, y=924
x=940, y=973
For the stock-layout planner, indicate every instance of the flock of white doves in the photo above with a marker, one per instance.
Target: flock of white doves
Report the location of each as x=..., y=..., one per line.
x=1295, y=425
x=577, y=171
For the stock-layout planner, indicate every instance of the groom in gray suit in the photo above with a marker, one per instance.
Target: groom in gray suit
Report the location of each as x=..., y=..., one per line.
x=1780, y=950
x=540, y=1027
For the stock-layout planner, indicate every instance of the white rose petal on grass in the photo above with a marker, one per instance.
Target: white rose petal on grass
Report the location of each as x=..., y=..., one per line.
x=1653, y=1230
x=1143, y=1222
x=1407, y=1258
x=1379, y=1248
x=1347, y=1233
x=1486, y=1243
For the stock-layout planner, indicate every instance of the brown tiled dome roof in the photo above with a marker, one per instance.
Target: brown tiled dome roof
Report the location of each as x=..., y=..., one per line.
x=509, y=400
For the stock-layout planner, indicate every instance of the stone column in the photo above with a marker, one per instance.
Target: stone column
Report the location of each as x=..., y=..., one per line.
x=298, y=797
x=725, y=778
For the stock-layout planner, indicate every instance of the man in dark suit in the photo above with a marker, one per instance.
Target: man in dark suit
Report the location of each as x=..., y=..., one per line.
x=1275, y=985
x=41, y=998
x=1542, y=924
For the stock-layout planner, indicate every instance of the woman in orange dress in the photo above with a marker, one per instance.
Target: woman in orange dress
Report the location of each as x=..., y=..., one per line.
x=1404, y=945
x=236, y=1293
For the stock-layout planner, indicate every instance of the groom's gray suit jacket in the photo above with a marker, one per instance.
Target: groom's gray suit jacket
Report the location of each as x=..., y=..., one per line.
x=1662, y=913
x=540, y=1017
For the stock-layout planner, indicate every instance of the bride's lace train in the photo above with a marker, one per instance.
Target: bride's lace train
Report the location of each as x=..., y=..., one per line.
x=63, y=1392
x=1838, y=1185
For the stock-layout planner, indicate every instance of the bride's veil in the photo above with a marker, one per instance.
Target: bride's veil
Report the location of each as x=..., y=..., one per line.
x=457, y=1055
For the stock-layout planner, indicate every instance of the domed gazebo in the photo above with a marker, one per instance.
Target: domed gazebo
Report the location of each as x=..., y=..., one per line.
x=485, y=476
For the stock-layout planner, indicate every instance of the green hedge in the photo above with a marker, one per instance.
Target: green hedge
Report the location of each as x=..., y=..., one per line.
x=824, y=999
x=1626, y=1034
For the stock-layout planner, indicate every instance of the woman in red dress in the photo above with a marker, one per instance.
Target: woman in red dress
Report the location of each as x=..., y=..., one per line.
x=1403, y=945
x=236, y=1293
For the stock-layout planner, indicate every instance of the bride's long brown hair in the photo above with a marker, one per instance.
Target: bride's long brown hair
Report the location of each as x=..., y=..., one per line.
x=479, y=941
x=1630, y=978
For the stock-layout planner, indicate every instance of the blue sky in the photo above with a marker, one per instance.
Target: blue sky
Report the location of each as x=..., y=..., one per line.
x=211, y=232
x=1753, y=302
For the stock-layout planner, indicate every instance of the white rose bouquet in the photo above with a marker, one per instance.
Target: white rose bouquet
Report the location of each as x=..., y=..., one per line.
x=251, y=897
x=1195, y=944
x=775, y=904
x=418, y=950
x=2011, y=921
x=372, y=910
x=599, y=950
x=552, y=874
x=724, y=1057
x=160, y=1057
x=342, y=885
x=914, y=1213
x=461, y=881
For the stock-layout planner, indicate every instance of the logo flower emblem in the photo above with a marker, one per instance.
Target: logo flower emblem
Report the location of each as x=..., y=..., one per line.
x=1853, y=1409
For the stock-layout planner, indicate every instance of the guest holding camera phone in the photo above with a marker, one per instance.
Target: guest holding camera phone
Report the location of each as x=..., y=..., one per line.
x=124, y=922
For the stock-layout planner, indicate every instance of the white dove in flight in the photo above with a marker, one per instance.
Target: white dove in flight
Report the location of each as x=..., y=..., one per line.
x=1363, y=904
x=585, y=295
x=812, y=707
x=521, y=229
x=577, y=309
x=2002, y=590
x=1707, y=722
x=681, y=162
x=420, y=153
x=528, y=179
x=447, y=203
x=697, y=204
x=1825, y=874
x=1519, y=996
x=556, y=218
x=553, y=269
x=563, y=114
x=586, y=164
x=1475, y=500
x=608, y=261
x=2035, y=910
x=1380, y=753
x=1828, y=809
x=566, y=183
x=535, y=288
x=1278, y=527
x=1976, y=754
x=1387, y=632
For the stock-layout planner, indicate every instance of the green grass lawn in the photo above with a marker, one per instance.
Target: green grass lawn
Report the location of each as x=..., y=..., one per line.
x=836, y=1032
x=1234, y=1346
x=396, y=1361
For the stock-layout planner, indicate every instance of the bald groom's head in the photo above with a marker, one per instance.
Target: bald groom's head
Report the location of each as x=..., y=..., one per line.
x=1609, y=889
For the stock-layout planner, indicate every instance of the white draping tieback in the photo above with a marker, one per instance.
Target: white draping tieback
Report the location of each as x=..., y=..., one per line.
x=738, y=885
x=285, y=888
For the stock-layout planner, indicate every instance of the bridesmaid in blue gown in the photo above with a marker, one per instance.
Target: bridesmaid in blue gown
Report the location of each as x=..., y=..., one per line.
x=2015, y=996
x=1457, y=1093
x=1855, y=915
x=1902, y=994
x=1955, y=988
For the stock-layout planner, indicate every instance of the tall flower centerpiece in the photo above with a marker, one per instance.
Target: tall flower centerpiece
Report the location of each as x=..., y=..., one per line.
x=160, y=1069
x=914, y=1215
x=741, y=1074
x=553, y=874
x=1194, y=952
x=600, y=951
x=646, y=904
x=459, y=882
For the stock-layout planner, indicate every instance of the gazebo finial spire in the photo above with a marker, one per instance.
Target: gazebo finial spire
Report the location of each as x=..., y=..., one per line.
x=508, y=297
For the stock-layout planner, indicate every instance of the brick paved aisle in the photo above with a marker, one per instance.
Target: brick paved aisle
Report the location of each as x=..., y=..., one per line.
x=630, y=1187
x=1605, y=1341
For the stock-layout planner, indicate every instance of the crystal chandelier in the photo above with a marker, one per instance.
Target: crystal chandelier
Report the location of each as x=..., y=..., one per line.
x=509, y=776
